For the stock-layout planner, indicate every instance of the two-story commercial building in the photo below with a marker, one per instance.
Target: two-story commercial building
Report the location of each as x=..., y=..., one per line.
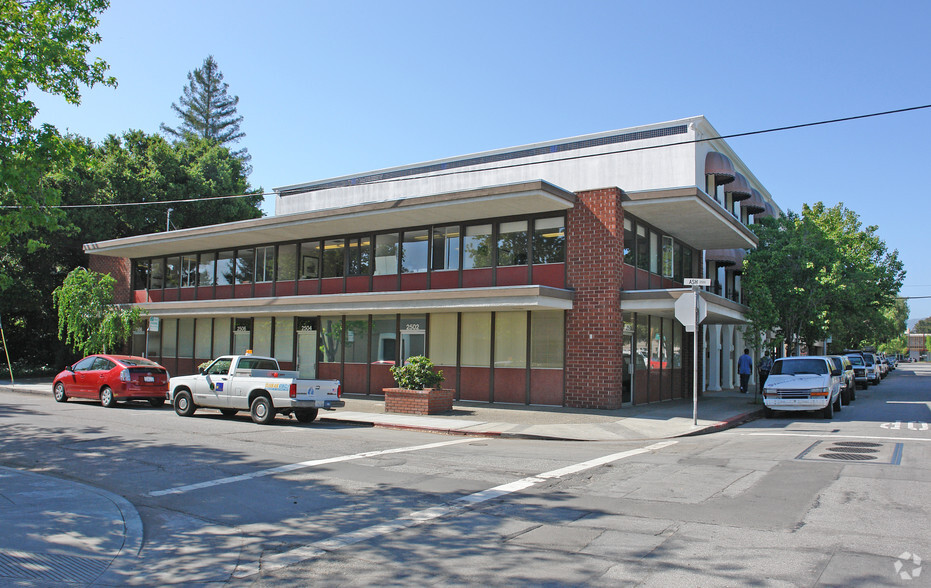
x=541, y=274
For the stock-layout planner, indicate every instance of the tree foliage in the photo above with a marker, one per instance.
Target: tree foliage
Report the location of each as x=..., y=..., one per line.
x=88, y=320
x=821, y=273
x=207, y=110
x=43, y=44
x=922, y=326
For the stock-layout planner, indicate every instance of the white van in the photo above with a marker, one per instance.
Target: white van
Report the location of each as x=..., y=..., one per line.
x=803, y=383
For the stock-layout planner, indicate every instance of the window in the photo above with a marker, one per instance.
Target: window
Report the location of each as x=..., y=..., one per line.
x=549, y=240
x=446, y=248
x=262, y=337
x=510, y=339
x=357, y=339
x=203, y=331
x=242, y=335
x=157, y=275
x=245, y=266
x=284, y=338
x=630, y=243
x=360, y=256
x=169, y=337
x=188, y=271
x=415, y=251
x=225, y=273
x=85, y=364
x=443, y=338
x=265, y=264
x=331, y=339
x=643, y=248
x=475, y=344
x=333, y=261
x=386, y=254
x=547, y=339
x=477, y=247
x=141, y=274
x=310, y=260
x=512, y=243
x=206, y=267
x=172, y=272
x=221, y=336
x=668, y=257
x=287, y=262
x=655, y=253
x=186, y=337
x=384, y=339
x=687, y=270
x=677, y=265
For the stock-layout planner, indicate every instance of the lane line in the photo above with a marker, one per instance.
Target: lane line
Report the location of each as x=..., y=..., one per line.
x=832, y=435
x=281, y=560
x=302, y=465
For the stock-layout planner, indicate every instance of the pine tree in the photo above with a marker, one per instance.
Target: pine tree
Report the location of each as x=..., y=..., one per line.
x=207, y=110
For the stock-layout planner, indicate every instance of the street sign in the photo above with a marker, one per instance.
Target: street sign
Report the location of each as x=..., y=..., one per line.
x=153, y=323
x=697, y=281
x=685, y=310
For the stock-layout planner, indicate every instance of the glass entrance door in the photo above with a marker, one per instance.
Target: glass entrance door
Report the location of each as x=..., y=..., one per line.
x=307, y=354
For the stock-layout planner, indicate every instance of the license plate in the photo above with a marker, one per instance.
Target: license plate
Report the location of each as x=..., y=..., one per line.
x=148, y=379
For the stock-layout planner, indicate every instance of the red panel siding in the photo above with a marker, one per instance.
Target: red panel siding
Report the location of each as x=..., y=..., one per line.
x=263, y=289
x=286, y=288
x=476, y=278
x=550, y=274
x=187, y=293
x=546, y=386
x=444, y=279
x=416, y=281
x=511, y=385
x=357, y=284
x=512, y=275
x=225, y=291
x=331, y=286
x=355, y=378
x=474, y=382
x=139, y=296
x=308, y=287
x=381, y=379
x=170, y=294
x=387, y=283
x=328, y=371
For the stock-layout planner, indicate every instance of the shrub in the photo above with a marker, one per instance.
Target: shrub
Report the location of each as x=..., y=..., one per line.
x=417, y=374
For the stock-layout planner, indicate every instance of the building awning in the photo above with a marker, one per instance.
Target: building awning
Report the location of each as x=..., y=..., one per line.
x=719, y=166
x=501, y=298
x=768, y=212
x=755, y=204
x=739, y=255
x=724, y=257
x=662, y=303
x=506, y=200
x=690, y=216
x=739, y=189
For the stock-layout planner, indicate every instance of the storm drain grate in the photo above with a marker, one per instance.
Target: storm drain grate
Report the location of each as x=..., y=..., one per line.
x=857, y=451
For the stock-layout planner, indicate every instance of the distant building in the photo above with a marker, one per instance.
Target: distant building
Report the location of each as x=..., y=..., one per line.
x=916, y=345
x=543, y=274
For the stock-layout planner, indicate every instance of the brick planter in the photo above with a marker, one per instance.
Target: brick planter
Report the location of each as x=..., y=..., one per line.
x=418, y=401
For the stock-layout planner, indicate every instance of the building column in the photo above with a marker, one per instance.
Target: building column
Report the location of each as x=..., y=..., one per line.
x=728, y=364
x=714, y=357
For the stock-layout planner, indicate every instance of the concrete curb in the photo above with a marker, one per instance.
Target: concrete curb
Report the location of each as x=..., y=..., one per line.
x=730, y=423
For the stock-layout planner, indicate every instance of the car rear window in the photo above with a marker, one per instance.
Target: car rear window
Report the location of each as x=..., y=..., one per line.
x=793, y=367
x=137, y=361
x=855, y=359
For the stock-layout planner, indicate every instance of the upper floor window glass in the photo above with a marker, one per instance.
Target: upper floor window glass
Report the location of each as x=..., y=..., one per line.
x=677, y=255
x=476, y=247
x=549, y=240
x=245, y=266
x=415, y=251
x=629, y=243
x=512, y=243
x=446, y=248
x=643, y=248
x=287, y=262
x=188, y=271
x=333, y=260
x=687, y=263
x=656, y=254
x=206, y=266
x=225, y=268
x=172, y=272
x=310, y=260
x=386, y=254
x=668, y=257
x=265, y=264
x=360, y=256
x=141, y=274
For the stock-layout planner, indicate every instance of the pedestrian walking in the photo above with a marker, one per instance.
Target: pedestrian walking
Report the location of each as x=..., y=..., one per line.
x=745, y=369
x=766, y=365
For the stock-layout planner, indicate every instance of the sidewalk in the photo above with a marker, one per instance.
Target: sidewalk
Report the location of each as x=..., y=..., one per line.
x=57, y=531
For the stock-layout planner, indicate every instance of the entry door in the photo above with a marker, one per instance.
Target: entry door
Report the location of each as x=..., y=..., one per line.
x=307, y=354
x=413, y=342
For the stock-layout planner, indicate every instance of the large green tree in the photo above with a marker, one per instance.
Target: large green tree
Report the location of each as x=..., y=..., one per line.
x=922, y=326
x=87, y=317
x=207, y=110
x=44, y=44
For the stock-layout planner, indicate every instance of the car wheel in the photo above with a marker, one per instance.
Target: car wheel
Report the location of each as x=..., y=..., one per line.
x=59, y=393
x=768, y=412
x=838, y=403
x=184, y=405
x=853, y=393
x=107, y=400
x=156, y=402
x=845, y=396
x=306, y=415
x=262, y=410
x=228, y=412
x=828, y=411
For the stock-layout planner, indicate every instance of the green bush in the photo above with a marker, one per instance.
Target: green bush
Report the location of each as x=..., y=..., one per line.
x=417, y=374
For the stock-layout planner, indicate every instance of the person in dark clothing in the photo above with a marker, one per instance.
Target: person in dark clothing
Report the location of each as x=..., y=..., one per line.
x=766, y=366
x=745, y=369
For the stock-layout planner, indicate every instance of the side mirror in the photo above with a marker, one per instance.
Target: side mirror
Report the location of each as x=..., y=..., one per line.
x=69, y=368
x=836, y=373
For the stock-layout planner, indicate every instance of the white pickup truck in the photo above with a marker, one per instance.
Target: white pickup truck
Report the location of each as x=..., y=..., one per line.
x=249, y=382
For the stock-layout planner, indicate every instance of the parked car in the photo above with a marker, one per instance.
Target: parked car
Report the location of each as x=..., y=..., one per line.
x=883, y=366
x=803, y=383
x=848, y=390
x=859, y=369
x=872, y=368
x=111, y=378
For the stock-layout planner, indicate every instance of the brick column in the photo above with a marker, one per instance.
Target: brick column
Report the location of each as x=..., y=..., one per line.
x=594, y=329
x=120, y=270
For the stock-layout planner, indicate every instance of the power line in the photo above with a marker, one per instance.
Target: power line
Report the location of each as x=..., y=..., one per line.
x=524, y=164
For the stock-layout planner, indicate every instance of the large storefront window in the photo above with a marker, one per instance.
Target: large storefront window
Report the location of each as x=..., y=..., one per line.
x=225, y=264
x=443, y=338
x=384, y=339
x=656, y=253
x=415, y=251
x=510, y=339
x=287, y=262
x=186, y=338
x=512, y=243
x=284, y=339
x=169, y=329
x=549, y=240
x=203, y=330
x=547, y=339
x=476, y=339
x=477, y=247
x=357, y=339
x=386, y=254
x=157, y=275
x=677, y=255
x=331, y=339
x=262, y=338
x=221, y=336
x=446, y=248
x=333, y=258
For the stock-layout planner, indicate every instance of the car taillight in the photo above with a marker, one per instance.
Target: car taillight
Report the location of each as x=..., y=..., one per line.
x=292, y=390
x=124, y=376
x=339, y=391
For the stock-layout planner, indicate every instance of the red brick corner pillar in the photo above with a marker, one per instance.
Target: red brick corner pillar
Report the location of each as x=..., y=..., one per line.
x=594, y=329
x=120, y=270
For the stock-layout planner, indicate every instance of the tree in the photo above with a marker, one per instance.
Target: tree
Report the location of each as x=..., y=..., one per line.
x=207, y=110
x=922, y=326
x=87, y=317
x=43, y=43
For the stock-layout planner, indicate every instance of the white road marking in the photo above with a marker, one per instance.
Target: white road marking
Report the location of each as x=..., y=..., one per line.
x=302, y=465
x=280, y=560
x=832, y=435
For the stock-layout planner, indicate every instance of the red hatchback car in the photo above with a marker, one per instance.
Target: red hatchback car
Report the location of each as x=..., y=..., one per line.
x=110, y=378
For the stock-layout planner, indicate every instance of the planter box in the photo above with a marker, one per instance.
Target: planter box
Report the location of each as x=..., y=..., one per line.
x=418, y=401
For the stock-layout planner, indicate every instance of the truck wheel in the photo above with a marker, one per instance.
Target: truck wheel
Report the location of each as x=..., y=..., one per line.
x=828, y=411
x=838, y=403
x=262, y=410
x=228, y=412
x=59, y=392
x=306, y=415
x=107, y=400
x=184, y=405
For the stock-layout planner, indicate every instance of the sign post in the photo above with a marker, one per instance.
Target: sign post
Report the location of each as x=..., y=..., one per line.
x=700, y=314
x=6, y=352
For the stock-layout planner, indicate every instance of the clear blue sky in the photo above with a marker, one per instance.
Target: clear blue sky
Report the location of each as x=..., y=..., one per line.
x=342, y=87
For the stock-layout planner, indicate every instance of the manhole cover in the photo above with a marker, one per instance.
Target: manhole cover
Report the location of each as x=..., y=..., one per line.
x=853, y=450
x=848, y=456
x=857, y=444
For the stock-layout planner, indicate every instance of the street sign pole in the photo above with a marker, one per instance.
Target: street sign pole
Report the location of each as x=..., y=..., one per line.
x=695, y=361
x=7, y=353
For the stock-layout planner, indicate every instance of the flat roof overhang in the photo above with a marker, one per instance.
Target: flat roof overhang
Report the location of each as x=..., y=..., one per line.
x=494, y=201
x=662, y=303
x=691, y=216
x=516, y=298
